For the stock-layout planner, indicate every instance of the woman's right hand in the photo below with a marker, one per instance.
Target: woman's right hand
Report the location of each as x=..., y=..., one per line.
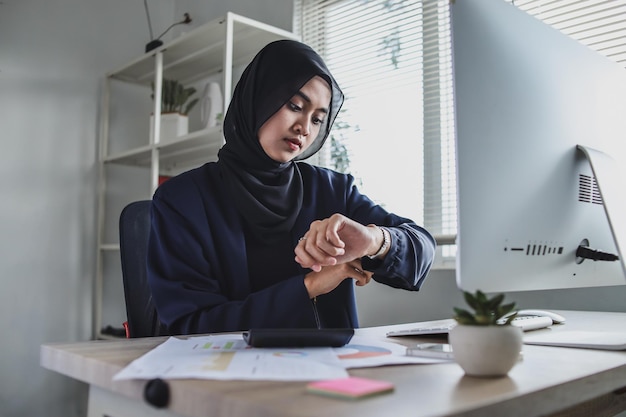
x=329, y=277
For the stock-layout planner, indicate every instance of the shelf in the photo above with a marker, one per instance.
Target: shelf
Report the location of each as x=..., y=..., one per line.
x=215, y=49
x=190, y=150
x=184, y=151
x=200, y=53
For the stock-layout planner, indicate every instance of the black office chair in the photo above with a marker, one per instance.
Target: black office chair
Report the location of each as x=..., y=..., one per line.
x=142, y=317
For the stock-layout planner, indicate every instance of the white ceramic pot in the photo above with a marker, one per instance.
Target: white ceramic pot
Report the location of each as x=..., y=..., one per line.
x=486, y=351
x=173, y=125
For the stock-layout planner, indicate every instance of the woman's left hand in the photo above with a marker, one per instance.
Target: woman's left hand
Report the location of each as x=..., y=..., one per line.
x=335, y=240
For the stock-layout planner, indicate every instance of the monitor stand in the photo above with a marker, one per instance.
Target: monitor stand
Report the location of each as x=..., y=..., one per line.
x=611, y=179
x=608, y=174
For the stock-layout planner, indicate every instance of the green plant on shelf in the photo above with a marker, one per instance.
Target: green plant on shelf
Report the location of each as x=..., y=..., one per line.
x=176, y=98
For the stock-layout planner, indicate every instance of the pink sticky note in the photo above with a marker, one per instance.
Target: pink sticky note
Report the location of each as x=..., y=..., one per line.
x=352, y=387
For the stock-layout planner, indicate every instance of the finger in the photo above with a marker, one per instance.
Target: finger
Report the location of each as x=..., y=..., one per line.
x=362, y=277
x=329, y=248
x=332, y=232
x=311, y=245
x=308, y=262
x=359, y=270
x=313, y=266
x=302, y=256
x=326, y=243
x=362, y=281
x=309, y=256
x=325, y=247
x=359, y=276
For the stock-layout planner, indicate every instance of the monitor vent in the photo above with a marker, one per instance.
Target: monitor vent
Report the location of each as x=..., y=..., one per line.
x=537, y=249
x=588, y=191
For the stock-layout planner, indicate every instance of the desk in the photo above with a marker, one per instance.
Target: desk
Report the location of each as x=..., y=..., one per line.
x=549, y=380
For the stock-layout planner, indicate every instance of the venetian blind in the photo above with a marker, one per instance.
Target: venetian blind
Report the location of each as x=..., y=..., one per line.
x=395, y=133
x=599, y=24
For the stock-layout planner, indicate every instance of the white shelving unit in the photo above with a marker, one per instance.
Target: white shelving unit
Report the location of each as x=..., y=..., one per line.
x=131, y=161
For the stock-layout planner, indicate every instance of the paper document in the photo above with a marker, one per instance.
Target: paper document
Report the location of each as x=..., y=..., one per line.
x=228, y=357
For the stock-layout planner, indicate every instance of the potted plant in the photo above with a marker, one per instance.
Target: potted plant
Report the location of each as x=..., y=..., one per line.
x=484, y=341
x=176, y=103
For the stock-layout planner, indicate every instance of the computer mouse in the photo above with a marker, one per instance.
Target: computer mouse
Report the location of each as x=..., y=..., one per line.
x=556, y=318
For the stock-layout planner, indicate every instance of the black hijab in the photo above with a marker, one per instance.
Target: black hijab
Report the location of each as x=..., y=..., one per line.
x=268, y=194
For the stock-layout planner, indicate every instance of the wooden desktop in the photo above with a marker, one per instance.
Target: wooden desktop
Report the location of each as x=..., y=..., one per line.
x=548, y=381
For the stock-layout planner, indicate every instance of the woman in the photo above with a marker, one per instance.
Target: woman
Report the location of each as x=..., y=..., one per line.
x=258, y=240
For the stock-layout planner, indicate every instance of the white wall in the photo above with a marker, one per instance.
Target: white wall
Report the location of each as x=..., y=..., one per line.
x=53, y=56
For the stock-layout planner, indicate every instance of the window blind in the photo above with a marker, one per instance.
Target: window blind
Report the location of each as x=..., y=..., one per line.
x=599, y=24
x=395, y=133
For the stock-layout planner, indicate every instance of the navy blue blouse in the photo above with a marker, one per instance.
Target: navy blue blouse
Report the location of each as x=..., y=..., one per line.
x=199, y=257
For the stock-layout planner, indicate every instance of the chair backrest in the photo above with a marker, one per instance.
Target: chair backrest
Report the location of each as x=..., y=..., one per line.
x=134, y=232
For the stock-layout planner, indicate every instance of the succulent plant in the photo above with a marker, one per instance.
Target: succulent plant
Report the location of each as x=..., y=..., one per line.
x=175, y=97
x=487, y=311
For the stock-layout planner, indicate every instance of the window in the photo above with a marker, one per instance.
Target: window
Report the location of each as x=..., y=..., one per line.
x=395, y=133
x=392, y=58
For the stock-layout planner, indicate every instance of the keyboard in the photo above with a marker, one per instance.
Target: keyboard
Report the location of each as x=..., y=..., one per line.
x=526, y=323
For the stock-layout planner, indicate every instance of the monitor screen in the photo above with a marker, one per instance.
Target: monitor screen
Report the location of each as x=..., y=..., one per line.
x=526, y=96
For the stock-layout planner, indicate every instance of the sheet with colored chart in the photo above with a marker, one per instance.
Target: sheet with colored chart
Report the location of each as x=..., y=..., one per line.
x=227, y=357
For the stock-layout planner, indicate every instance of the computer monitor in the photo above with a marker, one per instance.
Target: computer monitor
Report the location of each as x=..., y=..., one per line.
x=526, y=96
